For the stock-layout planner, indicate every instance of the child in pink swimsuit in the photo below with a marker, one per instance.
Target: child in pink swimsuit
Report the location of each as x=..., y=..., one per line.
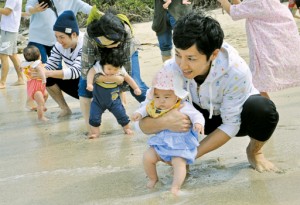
x=36, y=88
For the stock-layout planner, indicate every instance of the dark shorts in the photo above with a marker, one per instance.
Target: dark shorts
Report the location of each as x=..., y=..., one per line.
x=82, y=91
x=259, y=118
x=70, y=87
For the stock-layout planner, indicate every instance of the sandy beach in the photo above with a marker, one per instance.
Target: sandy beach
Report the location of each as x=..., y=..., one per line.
x=54, y=163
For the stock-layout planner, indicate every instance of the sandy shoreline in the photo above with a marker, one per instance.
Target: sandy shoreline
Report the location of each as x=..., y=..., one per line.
x=54, y=163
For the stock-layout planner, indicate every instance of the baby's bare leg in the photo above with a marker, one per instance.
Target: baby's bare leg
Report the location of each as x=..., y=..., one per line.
x=179, y=167
x=149, y=160
x=95, y=132
x=39, y=99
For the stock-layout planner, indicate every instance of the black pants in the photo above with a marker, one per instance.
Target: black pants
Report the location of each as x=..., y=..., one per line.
x=68, y=86
x=259, y=118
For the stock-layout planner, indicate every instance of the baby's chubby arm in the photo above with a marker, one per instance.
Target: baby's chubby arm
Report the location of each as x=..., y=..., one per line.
x=132, y=84
x=196, y=117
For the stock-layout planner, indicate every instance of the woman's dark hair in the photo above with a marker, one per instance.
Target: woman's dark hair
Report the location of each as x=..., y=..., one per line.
x=297, y=3
x=196, y=28
x=113, y=56
x=110, y=26
x=31, y=53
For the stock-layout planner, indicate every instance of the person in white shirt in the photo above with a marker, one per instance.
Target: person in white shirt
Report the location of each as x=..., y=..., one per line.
x=10, y=23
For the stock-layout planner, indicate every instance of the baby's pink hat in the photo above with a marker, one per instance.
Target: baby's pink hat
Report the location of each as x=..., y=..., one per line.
x=168, y=78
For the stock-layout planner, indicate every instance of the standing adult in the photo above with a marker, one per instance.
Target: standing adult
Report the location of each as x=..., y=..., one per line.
x=10, y=23
x=164, y=21
x=108, y=31
x=220, y=83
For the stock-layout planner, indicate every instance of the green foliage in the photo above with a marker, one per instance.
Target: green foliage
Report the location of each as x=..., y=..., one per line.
x=135, y=10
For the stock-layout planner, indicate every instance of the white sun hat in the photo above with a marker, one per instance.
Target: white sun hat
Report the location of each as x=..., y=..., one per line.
x=168, y=78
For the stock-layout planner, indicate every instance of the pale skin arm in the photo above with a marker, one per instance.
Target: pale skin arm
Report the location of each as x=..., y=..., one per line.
x=90, y=79
x=5, y=11
x=212, y=141
x=226, y=4
x=132, y=84
x=199, y=128
x=136, y=117
x=48, y=73
x=174, y=120
x=38, y=8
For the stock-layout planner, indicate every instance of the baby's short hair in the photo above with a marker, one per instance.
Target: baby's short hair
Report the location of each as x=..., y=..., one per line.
x=113, y=56
x=31, y=53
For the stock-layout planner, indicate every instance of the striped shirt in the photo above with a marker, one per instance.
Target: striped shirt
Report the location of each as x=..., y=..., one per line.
x=71, y=58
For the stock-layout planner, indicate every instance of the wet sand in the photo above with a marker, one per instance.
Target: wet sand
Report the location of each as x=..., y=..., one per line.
x=54, y=163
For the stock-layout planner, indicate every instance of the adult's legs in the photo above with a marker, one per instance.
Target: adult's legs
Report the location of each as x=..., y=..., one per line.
x=136, y=75
x=85, y=106
x=259, y=120
x=165, y=39
x=16, y=61
x=4, y=70
x=9, y=48
x=85, y=99
x=57, y=95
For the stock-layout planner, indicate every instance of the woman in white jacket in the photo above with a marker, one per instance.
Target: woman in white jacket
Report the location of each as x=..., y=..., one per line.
x=221, y=88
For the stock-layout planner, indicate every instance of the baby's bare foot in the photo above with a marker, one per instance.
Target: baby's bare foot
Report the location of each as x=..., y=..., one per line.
x=151, y=184
x=128, y=131
x=93, y=136
x=30, y=105
x=43, y=119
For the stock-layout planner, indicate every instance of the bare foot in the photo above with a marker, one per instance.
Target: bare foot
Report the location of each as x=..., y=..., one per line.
x=30, y=105
x=93, y=136
x=2, y=85
x=43, y=119
x=151, y=184
x=259, y=162
x=64, y=113
x=18, y=82
x=128, y=131
x=175, y=191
